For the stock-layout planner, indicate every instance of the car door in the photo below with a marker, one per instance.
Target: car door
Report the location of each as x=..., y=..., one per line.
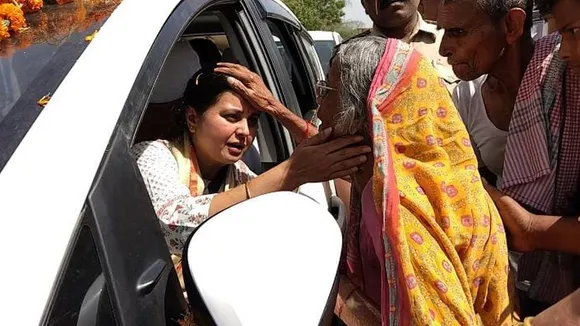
x=285, y=71
x=93, y=253
x=119, y=271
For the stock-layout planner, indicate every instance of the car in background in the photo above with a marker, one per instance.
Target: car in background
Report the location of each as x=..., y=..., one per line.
x=324, y=43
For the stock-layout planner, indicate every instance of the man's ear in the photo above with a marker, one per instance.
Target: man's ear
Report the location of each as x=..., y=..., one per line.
x=514, y=25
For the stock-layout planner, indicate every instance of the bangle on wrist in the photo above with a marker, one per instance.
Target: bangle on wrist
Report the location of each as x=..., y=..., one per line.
x=305, y=135
x=248, y=193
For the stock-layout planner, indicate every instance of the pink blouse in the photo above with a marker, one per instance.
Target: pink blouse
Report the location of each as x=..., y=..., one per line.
x=371, y=248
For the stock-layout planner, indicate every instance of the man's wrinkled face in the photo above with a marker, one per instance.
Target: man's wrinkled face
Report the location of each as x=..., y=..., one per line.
x=472, y=43
x=566, y=17
x=395, y=14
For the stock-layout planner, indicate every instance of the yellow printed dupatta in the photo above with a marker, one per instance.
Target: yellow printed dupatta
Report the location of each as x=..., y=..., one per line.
x=445, y=250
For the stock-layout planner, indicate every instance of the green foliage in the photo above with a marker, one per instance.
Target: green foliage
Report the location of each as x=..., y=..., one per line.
x=317, y=14
x=348, y=29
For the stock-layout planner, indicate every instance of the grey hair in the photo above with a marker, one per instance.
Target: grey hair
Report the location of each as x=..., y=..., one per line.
x=358, y=59
x=497, y=9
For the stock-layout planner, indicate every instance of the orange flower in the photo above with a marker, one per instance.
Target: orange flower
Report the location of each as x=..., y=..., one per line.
x=31, y=5
x=44, y=100
x=4, y=31
x=14, y=14
x=91, y=36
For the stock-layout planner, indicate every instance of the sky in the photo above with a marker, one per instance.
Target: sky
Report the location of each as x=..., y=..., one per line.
x=355, y=11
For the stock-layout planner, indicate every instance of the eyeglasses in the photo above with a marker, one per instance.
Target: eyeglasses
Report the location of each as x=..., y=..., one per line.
x=322, y=89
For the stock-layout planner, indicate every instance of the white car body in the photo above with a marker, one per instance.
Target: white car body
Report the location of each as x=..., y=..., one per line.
x=326, y=36
x=324, y=42
x=66, y=175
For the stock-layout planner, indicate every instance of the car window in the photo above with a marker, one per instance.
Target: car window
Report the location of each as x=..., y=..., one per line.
x=281, y=45
x=288, y=44
x=312, y=57
x=34, y=62
x=324, y=50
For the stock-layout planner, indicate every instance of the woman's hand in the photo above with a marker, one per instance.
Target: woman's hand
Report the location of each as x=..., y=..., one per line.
x=519, y=222
x=250, y=86
x=316, y=160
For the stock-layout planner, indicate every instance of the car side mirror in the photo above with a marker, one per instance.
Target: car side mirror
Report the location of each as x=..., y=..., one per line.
x=271, y=260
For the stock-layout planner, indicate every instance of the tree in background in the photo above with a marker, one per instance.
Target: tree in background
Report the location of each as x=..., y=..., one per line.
x=317, y=14
x=324, y=15
x=349, y=29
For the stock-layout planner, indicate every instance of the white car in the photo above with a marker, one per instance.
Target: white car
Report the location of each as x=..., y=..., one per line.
x=324, y=42
x=80, y=242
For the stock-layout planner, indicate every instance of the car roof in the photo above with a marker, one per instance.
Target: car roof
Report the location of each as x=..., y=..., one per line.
x=325, y=36
x=321, y=35
x=277, y=9
x=46, y=181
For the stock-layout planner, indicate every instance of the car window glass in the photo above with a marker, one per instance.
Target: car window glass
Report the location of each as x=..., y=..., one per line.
x=324, y=50
x=318, y=73
x=288, y=44
x=34, y=61
x=282, y=46
x=80, y=273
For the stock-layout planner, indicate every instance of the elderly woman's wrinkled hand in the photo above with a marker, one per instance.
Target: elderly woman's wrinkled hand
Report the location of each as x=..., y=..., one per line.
x=518, y=221
x=249, y=85
x=316, y=159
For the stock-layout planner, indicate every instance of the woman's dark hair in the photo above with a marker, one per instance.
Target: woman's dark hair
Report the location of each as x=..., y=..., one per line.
x=202, y=91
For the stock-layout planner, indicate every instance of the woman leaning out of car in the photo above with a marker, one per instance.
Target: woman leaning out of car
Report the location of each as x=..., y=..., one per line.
x=199, y=172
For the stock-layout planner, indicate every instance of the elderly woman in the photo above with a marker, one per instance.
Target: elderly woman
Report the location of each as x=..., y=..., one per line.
x=424, y=244
x=489, y=44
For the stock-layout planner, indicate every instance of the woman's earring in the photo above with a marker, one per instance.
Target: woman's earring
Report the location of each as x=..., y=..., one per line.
x=191, y=128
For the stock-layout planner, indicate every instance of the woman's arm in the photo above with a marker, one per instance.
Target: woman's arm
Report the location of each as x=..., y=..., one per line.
x=528, y=232
x=333, y=160
x=299, y=128
x=180, y=213
x=251, y=86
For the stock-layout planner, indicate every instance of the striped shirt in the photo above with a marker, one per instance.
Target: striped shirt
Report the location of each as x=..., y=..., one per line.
x=542, y=162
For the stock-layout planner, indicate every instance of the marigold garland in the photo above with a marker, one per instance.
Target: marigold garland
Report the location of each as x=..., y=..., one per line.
x=29, y=6
x=4, y=29
x=50, y=24
x=15, y=15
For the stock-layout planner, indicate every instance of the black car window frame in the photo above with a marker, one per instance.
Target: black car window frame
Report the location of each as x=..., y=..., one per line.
x=302, y=78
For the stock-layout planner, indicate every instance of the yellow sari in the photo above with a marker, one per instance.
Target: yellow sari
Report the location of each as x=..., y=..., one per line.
x=444, y=245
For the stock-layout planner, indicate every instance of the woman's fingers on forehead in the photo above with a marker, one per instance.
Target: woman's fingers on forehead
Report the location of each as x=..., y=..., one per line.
x=231, y=66
x=227, y=64
x=236, y=84
x=235, y=70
